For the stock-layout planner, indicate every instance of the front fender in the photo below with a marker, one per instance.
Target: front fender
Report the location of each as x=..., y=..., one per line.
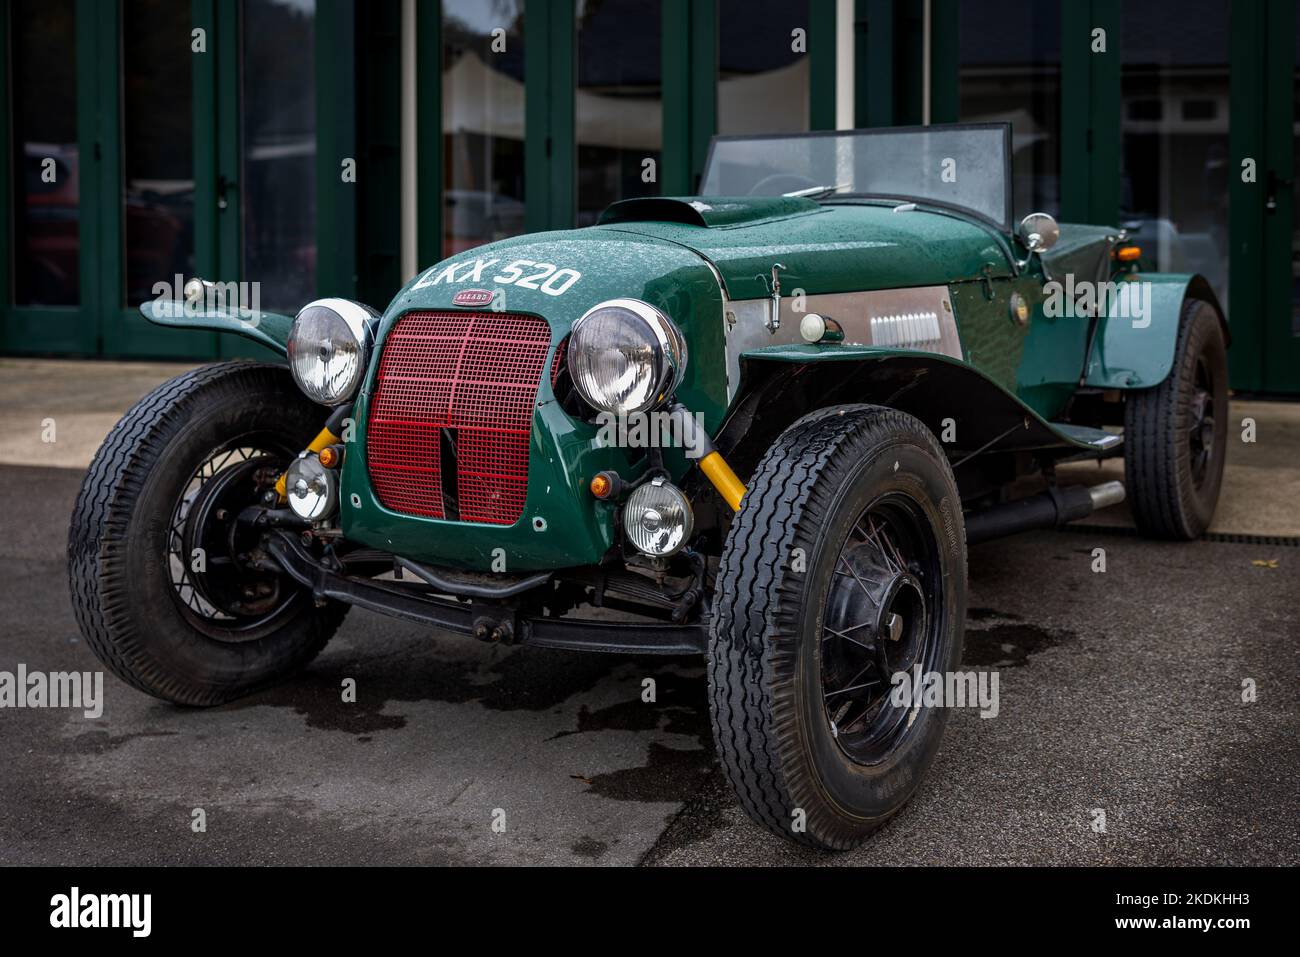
x=935, y=388
x=270, y=329
x=1137, y=352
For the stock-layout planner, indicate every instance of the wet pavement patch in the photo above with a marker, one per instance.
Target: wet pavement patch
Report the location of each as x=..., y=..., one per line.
x=525, y=679
x=1004, y=640
x=669, y=775
x=589, y=847
x=680, y=707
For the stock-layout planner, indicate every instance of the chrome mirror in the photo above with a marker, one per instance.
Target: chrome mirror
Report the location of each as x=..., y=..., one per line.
x=1039, y=232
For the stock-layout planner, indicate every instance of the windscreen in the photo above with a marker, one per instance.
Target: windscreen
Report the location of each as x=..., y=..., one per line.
x=965, y=166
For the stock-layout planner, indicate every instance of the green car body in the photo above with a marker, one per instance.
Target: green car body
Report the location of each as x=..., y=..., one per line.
x=861, y=366
x=694, y=264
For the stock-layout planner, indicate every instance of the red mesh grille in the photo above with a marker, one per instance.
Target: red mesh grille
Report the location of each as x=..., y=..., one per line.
x=476, y=375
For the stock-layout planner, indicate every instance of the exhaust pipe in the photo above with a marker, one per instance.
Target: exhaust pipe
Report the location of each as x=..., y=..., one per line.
x=1056, y=506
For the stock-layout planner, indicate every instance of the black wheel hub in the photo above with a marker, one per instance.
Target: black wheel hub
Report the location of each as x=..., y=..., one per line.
x=880, y=620
x=226, y=580
x=211, y=554
x=1200, y=431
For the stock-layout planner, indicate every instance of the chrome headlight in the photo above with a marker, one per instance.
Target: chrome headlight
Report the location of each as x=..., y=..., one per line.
x=329, y=347
x=312, y=489
x=657, y=518
x=625, y=356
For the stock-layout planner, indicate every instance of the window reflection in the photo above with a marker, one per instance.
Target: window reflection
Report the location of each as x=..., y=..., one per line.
x=157, y=154
x=482, y=122
x=278, y=186
x=762, y=79
x=45, y=160
x=1010, y=72
x=619, y=108
x=1174, y=122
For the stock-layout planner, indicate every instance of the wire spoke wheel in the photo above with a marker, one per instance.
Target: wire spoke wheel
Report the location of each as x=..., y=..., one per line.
x=845, y=566
x=208, y=551
x=170, y=588
x=880, y=620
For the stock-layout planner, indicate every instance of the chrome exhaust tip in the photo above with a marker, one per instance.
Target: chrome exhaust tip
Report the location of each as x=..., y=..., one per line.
x=1106, y=494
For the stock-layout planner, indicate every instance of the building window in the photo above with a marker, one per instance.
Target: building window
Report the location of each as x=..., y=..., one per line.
x=762, y=66
x=619, y=105
x=278, y=181
x=1009, y=71
x=1174, y=190
x=157, y=146
x=47, y=168
x=482, y=122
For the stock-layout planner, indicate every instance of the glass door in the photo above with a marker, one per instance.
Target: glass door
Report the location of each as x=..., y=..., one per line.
x=149, y=203
x=1282, y=202
x=1174, y=88
x=277, y=175
x=49, y=177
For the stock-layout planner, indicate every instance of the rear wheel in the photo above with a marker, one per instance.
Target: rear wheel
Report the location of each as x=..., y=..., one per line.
x=845, y=567
x=163, y=578
x=1176, y=435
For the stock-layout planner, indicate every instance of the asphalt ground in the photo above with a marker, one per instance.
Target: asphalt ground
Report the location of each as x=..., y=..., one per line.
x=1120, y=692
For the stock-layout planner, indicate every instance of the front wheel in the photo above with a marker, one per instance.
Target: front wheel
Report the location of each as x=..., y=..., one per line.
x=159, y=567
x=845, y=568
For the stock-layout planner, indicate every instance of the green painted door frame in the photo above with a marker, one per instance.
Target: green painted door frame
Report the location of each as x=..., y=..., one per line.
x=70, y=330
x=1265, y=356
x=690, y=103
x=1090, y=111
x=822, y=62
x=550, y=153
x=428, y=133
x=336, y=144
x=6, y=189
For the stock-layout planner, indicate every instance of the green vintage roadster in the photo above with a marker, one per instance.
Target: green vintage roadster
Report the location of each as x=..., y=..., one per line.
x=761, y=424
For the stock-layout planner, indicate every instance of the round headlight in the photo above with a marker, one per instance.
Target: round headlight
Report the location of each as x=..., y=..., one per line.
x=329, y=346
x=625, y=356
x=312, y=489
x=657, y=518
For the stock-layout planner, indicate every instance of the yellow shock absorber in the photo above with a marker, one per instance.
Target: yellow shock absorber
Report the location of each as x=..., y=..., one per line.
x=711, y=462
x=729, y=486
x=326, y=437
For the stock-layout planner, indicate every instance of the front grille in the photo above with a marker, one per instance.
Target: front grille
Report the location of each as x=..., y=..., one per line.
x=452, y=413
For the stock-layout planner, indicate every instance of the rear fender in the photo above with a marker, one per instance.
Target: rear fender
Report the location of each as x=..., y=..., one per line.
x=1134, y=347
x=270, y=329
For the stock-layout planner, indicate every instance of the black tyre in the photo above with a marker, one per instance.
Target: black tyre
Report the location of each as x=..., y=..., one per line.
x=1176, y=435
x=160, y=577
x=845, y=565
